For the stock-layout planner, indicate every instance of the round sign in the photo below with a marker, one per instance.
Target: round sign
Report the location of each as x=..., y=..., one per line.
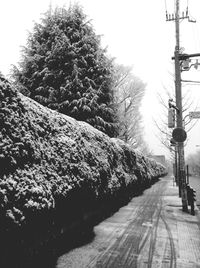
x=179, y=134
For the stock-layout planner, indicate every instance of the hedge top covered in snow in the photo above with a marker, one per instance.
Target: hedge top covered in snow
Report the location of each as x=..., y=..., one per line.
x=46, y=157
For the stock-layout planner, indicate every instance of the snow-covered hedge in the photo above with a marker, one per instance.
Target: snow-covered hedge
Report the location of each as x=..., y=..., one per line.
x=53, y=169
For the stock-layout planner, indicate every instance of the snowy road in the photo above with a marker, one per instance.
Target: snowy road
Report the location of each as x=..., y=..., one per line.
x=138, y=235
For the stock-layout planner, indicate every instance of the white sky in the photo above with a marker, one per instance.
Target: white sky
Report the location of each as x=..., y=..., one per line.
x=135, y=32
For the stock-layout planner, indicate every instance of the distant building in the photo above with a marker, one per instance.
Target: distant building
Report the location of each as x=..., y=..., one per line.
x=160, y=159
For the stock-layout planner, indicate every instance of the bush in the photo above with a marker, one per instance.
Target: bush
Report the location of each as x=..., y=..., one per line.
x=55, y=171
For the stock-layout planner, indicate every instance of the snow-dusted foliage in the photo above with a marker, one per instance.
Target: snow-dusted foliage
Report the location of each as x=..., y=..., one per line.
x=53, y=169
x=65, y=68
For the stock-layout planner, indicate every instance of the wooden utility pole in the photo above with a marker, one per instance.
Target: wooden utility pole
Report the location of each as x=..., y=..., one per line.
x=179, y=132
x=179, y=118
x=181, y=174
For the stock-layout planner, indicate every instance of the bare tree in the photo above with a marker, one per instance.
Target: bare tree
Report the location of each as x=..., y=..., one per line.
x=165, y=133
x=128, y=91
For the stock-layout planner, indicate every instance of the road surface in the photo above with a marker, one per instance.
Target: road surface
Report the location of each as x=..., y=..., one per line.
x=138, y=235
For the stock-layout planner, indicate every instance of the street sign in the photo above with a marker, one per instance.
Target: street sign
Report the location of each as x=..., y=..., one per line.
x=179, y=134
x=194, y=115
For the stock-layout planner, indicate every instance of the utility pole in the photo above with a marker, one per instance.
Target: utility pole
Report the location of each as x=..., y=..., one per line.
x=179, y=122
x=179, y=118
x=178, y=92
x=179, y=134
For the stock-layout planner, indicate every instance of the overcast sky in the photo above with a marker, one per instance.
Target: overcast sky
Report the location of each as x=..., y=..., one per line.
x=135, y=33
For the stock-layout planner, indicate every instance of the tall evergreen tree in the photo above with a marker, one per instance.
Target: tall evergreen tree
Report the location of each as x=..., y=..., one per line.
x=64, y=68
